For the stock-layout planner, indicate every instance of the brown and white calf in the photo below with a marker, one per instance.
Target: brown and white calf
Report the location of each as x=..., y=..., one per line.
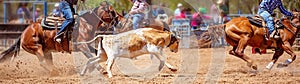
x=134, y=43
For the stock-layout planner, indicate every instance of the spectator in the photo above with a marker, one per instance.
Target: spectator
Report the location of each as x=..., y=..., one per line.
x=154, y=12
x=198, y=17
x=203, y=12
x=23, y=12
x=214, y=12
x=160, y=9
x=222, y=7
x=181, y=14
x=56, y=10
x=37, y=13
x=196, y=20
x=223, y=18
x=188, y=13
x=178, y=10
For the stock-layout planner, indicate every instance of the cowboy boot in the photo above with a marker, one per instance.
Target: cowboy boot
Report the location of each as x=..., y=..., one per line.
x=57, y=38
x=274, y=35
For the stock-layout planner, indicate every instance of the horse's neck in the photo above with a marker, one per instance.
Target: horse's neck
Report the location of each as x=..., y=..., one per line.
x=91, y=19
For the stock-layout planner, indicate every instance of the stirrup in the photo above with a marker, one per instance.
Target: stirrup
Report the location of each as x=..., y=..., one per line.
x=266, y=37
x=58, y=40
x=274, y=35
x=57, y=37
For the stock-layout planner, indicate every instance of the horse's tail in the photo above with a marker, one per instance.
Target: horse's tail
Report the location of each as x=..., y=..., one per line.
x=11, y=51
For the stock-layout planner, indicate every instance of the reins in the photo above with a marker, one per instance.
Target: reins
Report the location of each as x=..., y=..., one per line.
x=293, y=32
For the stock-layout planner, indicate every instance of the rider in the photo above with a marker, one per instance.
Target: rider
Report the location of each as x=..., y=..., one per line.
x=66, y=7
x=137, y=12
x=265, y=10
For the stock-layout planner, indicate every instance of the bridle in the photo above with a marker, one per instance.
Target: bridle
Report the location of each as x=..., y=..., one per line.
x=105, y=9
x=293, y=24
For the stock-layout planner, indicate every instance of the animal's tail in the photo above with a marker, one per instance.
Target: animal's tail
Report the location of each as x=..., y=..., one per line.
x=11, y=52
x=89, y=40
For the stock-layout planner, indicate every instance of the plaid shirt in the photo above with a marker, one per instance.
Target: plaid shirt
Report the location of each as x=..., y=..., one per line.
x=138, y=7
x=270, y=5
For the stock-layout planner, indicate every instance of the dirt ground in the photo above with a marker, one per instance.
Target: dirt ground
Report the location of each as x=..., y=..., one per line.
x=207, y=65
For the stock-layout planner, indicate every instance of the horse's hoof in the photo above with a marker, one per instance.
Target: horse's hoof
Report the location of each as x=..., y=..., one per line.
x=253, y=66
x=231, y=52
x=104, y=72
x=173, y=69
x=81, y=74
x=281, y=65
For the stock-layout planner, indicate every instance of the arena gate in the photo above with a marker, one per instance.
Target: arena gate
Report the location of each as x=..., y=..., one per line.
x=182, y=26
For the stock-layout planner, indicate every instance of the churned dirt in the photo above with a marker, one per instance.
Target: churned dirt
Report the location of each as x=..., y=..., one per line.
x=206, y=65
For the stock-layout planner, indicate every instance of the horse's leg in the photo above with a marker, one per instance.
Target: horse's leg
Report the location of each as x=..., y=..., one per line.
x=49, y=61
x=93, y=62
x=40, y=54
x=86, y=51
x=239, y=52
x=44, y=59
x=288, y=49
x=232, y=51
x=277, y=54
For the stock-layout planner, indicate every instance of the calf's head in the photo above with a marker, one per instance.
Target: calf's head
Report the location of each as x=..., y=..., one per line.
x=174, y=42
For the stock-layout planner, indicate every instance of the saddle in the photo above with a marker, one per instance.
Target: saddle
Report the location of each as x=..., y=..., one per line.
x=52, y=22
x=259, y=22
x=256, y=20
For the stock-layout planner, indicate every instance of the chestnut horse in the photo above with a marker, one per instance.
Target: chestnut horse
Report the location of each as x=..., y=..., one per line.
x=39, y=41
x=240, y=33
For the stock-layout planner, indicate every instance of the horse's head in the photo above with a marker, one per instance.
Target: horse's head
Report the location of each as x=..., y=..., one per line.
x=296, y=18
x=123, y=23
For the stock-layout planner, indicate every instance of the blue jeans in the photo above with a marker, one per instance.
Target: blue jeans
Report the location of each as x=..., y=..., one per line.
x=268, y=18
x=68, y=15
x=136, y=18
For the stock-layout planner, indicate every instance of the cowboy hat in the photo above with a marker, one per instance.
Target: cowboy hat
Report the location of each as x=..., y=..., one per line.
x=220, y=1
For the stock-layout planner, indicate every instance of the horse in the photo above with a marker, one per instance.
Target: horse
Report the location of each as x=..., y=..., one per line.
x=40, y=41
x=240, y=33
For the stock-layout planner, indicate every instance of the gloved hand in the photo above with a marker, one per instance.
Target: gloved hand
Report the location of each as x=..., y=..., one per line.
x=289, y=17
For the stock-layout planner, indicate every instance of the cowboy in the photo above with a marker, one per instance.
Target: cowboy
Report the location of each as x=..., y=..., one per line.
x=66, y=7
x=178, y=9
x=56, y=10
x=137, y=12
x=265, y=10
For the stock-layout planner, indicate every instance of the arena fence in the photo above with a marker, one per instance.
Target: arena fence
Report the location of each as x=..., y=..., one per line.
x=182, y=26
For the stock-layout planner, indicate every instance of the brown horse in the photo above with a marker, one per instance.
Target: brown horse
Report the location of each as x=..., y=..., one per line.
x=39, y=41
x=240, y=33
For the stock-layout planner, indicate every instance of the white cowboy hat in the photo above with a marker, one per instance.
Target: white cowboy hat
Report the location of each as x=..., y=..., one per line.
x=56, y=5
x=179, y=5
x=220, y=1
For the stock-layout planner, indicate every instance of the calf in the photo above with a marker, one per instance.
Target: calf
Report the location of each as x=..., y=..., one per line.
x=132, y=44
